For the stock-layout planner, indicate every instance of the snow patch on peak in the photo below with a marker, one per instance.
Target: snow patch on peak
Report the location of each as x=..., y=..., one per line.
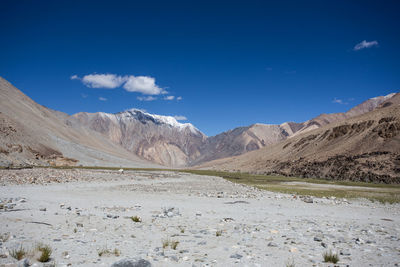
x=168, y=120
x=384, y=97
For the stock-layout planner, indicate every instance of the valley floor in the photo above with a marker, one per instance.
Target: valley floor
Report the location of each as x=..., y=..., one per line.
x=85, y=216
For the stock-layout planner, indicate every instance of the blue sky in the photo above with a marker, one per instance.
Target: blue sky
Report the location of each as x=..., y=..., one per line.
x=232, y=63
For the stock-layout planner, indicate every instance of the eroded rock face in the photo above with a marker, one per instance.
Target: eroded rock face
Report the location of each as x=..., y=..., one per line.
x=367, y=167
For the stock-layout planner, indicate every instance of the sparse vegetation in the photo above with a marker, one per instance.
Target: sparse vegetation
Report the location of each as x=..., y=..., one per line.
x=290, y=263
x=18, y=253
x=4, y=237
x=136, y=219
x=385, y=193
x=218, y=233
x=165, y=243
x=174, y=244
x=106, y=252
x=117, y=252
x=45, y=252
x=329, y=256
x=171, y=243
x=75, y=230
x=182, y=229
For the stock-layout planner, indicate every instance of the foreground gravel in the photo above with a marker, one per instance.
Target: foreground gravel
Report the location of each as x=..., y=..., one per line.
x=184, y=220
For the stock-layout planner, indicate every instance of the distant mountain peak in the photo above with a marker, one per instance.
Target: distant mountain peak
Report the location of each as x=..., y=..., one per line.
x=386, y=97
x=144, y=117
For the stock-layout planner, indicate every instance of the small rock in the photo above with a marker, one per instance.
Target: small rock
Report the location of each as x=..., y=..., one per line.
x=272, y=244
x=345, y=253
x=308, y=200
x=79, y=224
x=236, y=256
x=24, y=263
x=42, y=209
x=131, y=263
x=318, y=239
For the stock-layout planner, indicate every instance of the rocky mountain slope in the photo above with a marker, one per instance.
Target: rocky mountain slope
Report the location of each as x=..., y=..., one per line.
x=159, y=139
x=31, y=134
x=361, y=148
x=244, y=139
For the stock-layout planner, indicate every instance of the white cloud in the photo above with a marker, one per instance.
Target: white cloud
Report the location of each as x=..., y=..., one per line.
x=339, y=101
x=109, y=81
x=143, y=84
x=179, y=98
x=365, y=44
x=180, y=118
x=170, y=97
x=140, y=84
x=102, y=98
x=84, y=95
x=146, y=98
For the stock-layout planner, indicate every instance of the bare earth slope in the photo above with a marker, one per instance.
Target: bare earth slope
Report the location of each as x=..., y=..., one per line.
x=245, y=139
x=31, y=134
x=363, y=148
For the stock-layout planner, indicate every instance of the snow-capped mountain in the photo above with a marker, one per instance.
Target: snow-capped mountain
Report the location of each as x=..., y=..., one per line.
x=143, y=117
x=160, y=139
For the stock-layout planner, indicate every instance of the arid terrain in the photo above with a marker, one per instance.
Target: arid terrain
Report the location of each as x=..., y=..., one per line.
x=165, y=218
x=361, y=144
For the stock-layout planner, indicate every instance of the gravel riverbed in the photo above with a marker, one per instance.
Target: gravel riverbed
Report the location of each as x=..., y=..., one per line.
x=99, y=217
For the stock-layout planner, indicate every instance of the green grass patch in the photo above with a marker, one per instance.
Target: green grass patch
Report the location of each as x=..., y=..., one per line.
x=385, y=193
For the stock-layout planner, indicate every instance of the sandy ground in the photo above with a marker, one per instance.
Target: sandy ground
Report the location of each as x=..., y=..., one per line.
x=216, y=222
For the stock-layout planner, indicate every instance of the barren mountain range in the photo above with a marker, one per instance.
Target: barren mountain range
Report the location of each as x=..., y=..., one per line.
x=31, y=134
x=360, y=148
x=360, y=144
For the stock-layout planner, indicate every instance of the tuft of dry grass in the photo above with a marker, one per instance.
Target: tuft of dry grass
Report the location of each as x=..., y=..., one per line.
x=171, y=243
x=218, y=233
x=106, y=252
x=45, y=252
x=136, y=219
x=18, y=253
x=174, y=244
x=329, y=256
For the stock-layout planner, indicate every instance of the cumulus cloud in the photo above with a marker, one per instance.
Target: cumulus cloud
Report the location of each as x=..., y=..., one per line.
x=170, y=97
x=365, y=44
x=180, y=118
x=146, y=98
x=179, y=98
x=102, y=98
x=109, y=81
x=143, y=84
